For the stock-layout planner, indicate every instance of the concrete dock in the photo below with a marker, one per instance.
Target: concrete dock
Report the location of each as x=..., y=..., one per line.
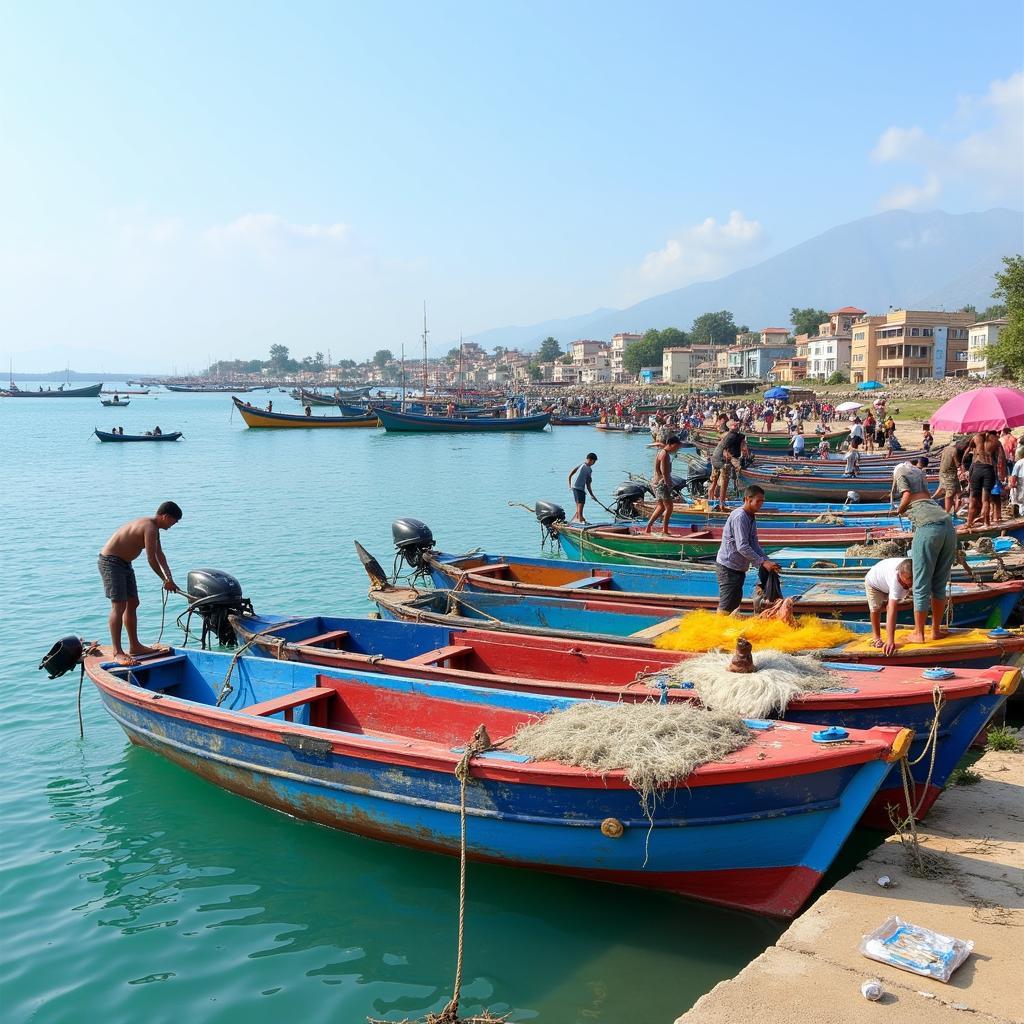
x=974, y=844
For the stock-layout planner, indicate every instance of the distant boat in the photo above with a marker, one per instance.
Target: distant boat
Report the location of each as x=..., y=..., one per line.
x=89, y=391
x=572, y=421
x=106, y=435
x=256, y=417
x=108, y=391
x=418, y=423
x=114, y=402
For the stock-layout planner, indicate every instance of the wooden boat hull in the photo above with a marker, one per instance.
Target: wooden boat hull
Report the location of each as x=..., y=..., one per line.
x=756, y=833
x=417, y=423
x=106, y=436
x=89, y=391
x=777, y=443
x=114, y=405
x=260, y=418
x=893, y=695
x=972, y=604
x=622, y=623
x=572, y=421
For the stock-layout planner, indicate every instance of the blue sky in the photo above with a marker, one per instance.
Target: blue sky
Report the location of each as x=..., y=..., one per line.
x=183, y=181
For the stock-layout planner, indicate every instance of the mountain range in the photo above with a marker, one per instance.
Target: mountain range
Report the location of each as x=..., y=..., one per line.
x=931, y=260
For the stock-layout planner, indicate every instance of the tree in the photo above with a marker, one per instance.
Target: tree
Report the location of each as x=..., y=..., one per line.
x=973, y=310
x=279, y=357
x=382, y=357
x=453, y=354
x=838, y=378
x=994, y=312
x=549, y=350
x=535, y=372
x=566, y=360
x=318, y=362
x=1008, y=351
x=806, y=321
x=345, y=364
x=713, y=329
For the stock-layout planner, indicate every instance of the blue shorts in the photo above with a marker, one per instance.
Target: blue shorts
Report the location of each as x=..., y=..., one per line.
x=580, y=496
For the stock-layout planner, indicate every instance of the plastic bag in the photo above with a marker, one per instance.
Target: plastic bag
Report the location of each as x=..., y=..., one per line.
x=913, y=948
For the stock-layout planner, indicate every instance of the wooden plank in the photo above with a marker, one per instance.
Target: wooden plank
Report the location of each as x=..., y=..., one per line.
x=325, y=639
x=438, y=655
x=289, y=701
x=656, y=630
x=488, y=570
x=587, y=583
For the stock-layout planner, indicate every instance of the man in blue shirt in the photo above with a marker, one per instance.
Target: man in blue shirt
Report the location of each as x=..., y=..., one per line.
x=739, y=550
x=580, y=482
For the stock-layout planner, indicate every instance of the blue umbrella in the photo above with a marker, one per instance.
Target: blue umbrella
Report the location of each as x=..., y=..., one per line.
x=869, y=385
x=777, y=393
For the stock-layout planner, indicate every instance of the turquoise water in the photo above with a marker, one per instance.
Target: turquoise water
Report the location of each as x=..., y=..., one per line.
x=132, y=891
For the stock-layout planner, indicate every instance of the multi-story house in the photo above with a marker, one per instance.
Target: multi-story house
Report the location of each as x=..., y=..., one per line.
x=584, y=349
x=979, y=337
x=830, y=350
x=620, y=342
x=906, y=344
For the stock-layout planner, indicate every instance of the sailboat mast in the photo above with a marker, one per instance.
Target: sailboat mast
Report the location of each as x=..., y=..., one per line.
x=462, y=379
x=424, y=354
x=403, y=377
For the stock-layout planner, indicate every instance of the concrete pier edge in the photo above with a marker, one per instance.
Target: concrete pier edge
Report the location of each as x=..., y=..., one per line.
x=974, y=836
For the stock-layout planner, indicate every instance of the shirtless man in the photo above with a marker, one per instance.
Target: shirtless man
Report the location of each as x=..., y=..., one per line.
x=662, y=483
x=115, y=565
x=983, y=478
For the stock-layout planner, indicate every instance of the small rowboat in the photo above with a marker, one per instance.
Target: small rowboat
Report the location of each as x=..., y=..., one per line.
x=419, y=423
x=376, y=756
x=104, y=435
x=111, y=403
x=896, y=695
x=777, y=443
x=261, y=418
x=572, y=421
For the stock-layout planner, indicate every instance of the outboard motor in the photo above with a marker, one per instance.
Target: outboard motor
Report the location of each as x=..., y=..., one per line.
x=413, y=540
x=698, y=473
x=626, y=500
x=62, y=657
x=548, y=514
x=214, y=596
x=852, y=498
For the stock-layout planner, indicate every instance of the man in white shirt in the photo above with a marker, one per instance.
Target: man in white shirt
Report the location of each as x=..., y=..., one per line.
x=886, y=584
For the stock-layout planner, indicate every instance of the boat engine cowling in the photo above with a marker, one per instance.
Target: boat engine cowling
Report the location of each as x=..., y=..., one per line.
x=215, y=595
x=548, y=513
x=626, y=500
x=62, y=657
x=413, y=540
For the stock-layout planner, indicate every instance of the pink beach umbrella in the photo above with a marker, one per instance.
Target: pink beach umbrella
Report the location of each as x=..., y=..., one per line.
x=984, y=409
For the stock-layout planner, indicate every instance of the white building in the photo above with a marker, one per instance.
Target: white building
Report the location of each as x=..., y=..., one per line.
x=675, y=365
x=620, y=342
x=584, y=349
x=979, y=337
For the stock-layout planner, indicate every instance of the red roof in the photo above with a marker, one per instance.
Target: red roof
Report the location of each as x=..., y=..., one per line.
x=774, y=330
x=848, y=309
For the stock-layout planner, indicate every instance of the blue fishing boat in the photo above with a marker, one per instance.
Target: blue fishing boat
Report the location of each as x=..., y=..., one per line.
x=859, y=696
x=418, y=423
x=110, y=436
x=972, y=604
x=376, y=755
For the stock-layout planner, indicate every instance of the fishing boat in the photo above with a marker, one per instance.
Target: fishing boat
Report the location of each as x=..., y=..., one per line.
x=589, y=670
x=704, y=541
x=107, y=391
x=114, y=402
x=812, y=487
x=419, y=423
x=572, y=421
x=255, y=417
x=777, y=443
x=620, y=428
x=580, y=618
x=210, y=389
x=315, y=398
x=972, y=604
x=105, y=435
x=376, y=756
x=61, y=391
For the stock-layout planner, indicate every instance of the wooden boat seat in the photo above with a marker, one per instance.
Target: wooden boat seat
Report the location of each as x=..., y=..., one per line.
x=656, y=630
x=316, y=696
x=587, y=583
x=439, y=654
x=331, y=639
x=696, y=534
x=489, y=570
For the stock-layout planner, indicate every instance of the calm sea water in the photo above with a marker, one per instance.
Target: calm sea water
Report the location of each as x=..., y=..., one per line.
x=132, y=891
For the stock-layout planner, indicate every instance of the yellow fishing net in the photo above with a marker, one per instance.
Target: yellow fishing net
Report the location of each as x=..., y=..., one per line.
x=706, y=631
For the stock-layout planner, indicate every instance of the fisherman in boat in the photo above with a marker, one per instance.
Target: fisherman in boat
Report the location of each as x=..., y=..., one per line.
x=662, y=483
x=119, y=584
x=580, y=482
x=739, y=550
x=157, y=432
x=932, y=550
x=887, y=583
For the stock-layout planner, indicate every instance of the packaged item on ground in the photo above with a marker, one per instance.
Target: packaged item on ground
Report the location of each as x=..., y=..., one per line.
x=913, y=948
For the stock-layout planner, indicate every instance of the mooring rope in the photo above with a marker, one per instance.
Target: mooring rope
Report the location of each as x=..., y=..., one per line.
x=226, y=687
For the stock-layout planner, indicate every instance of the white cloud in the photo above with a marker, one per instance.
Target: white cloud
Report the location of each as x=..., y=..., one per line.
x=699, y=253
x=268, y=229
x=981, y=150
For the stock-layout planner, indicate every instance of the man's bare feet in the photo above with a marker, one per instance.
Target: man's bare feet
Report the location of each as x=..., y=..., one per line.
x=124, y=659
x=142, y=651
x=915, y=638
x=938, y=633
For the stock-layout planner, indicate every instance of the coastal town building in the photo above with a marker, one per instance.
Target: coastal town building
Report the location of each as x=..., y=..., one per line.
x=980, y=337
x=585, y=348
x=675, y=365
x=829, y=351
x=906, y=344
x=620, y=342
